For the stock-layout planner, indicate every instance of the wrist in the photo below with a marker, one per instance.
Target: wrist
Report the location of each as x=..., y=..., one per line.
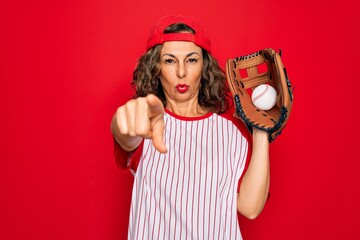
x=260, y=134
x=129, y=144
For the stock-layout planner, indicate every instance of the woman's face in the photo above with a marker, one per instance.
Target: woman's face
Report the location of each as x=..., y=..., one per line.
x=181, y=68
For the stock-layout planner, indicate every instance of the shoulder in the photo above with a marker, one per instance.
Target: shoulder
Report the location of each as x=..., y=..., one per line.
x=237, y=123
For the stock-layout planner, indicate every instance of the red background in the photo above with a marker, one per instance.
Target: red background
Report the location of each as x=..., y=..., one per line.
x=65, y=66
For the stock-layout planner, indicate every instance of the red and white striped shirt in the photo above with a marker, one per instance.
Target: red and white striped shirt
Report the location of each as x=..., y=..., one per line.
x=190, y=192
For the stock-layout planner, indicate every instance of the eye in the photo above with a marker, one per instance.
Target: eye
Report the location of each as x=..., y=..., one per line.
x=169, y=60
x=192, y=60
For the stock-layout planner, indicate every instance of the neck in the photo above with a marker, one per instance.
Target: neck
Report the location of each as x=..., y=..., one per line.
x=186, y=109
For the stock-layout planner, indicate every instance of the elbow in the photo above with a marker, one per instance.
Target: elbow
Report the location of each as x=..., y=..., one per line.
x=250, y=211
x=251, y=208
x=251, y=215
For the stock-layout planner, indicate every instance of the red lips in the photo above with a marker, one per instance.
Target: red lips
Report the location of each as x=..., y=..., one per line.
x=182, y=88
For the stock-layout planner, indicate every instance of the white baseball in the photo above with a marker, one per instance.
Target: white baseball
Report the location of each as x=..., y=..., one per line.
x=264, y=97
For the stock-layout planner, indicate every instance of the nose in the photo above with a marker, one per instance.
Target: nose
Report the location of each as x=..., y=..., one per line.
x=181, y=70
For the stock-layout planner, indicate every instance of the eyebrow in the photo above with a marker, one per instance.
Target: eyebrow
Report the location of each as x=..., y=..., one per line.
x=187, y=55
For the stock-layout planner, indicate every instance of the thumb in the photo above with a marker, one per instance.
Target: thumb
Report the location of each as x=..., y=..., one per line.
x=156, y=113
x=156, y=107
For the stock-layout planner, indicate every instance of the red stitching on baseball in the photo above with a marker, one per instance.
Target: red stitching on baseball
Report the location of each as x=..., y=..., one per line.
x=261, y=94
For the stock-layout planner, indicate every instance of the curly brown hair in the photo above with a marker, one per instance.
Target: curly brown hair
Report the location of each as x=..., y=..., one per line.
x=213, y=88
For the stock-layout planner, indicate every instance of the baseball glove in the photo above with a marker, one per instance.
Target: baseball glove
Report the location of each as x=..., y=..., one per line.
x=247, y=72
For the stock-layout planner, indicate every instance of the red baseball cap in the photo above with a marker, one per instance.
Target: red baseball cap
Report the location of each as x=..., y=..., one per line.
x=157, y=35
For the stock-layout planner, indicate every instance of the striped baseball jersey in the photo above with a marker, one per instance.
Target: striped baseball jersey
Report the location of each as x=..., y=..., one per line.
x=191, y=191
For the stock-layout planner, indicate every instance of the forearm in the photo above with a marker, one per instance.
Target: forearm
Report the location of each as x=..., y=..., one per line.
x=254, y=187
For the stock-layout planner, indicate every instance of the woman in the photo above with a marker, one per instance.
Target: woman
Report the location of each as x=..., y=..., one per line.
x=188, y=157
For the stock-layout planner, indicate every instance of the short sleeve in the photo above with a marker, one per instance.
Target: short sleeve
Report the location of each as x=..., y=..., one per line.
x=246, y=134
x=247, y=161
